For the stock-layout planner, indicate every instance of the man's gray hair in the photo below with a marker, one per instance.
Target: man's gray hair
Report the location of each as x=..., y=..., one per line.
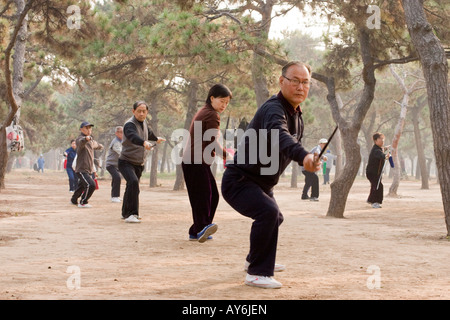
x=297, y=63
x=119, y=128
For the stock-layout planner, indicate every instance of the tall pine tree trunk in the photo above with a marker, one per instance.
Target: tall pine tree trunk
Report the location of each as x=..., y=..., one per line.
x=342, y=184
x=192, y=109
x=14, y=81
x=398, y=133
x=435, y=70
x=258, y=64
x=154, y=126
x=421, y=160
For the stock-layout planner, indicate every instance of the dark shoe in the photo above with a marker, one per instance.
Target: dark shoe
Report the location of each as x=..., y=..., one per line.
x=305, y=197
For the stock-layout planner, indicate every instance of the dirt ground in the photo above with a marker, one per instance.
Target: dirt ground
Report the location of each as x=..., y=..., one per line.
x=50, y=249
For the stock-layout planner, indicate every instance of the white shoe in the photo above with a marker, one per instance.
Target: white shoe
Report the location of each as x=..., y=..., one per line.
x=132, y=219
x=278, y=267
x=116, y=200
x=376, y=205
x=262, y=282
x=87, y=205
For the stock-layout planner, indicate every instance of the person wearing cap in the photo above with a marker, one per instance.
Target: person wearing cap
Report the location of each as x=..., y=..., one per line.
x=85, y=146
x=311, y=178
x=135, y=147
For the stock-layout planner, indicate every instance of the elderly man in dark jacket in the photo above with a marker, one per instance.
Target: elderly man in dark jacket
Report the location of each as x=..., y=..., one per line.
x=374, y=170
x=271, y=141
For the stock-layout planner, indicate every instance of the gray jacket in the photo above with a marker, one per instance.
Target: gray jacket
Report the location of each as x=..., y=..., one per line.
x=114, y=150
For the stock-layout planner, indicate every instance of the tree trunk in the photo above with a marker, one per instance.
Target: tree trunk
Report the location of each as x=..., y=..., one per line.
x=397, y=135
x=341, y=186
x=154, y=126
x=192, y=109
x=259, y=79
x=294, y=176
x=14, y=82
x=164, y=158
x=422, y=162
x=3, y=157
x=435, y=69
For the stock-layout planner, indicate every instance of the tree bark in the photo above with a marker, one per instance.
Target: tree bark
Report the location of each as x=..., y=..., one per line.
x=192, y=109
x=421, y=160
x=259, y=79
x=341, y=186
x=14, y=82
x=154, y=125
x=398, y=133
x=435, y=69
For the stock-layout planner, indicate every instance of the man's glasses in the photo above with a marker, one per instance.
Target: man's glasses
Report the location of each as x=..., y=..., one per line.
x=296, y=82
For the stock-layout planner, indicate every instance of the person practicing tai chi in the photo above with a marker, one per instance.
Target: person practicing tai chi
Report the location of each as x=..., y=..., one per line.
x=248, y=181
x=200, y=182
x=135, y=146
x=85, y=146
x=112, y=164
x=374, y=170
x=311, y=178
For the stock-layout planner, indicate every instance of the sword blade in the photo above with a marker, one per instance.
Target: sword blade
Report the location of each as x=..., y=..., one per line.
x=326, y=145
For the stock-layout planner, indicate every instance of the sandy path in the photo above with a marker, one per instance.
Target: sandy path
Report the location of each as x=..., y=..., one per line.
x=47, y=244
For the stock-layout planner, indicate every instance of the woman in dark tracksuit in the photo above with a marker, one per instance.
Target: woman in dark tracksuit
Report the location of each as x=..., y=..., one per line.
x=200, y=183
x=374, y=170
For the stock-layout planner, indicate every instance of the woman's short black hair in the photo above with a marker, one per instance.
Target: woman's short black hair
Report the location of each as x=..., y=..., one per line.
x=138, y=103
x=218, y=91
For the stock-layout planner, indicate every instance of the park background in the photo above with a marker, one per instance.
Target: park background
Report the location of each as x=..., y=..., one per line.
x=90, y=60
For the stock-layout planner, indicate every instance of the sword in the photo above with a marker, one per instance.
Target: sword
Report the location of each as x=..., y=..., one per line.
x=326, y=145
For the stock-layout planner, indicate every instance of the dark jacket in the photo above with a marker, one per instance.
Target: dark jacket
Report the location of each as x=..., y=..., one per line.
x=71, y=154
x=275, y=114
x=376, y=161
x=209, y=120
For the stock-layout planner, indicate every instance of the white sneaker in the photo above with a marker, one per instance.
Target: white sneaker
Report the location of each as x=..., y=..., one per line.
x=132, y=219
x=87, y=205
x=116, y=200
x=262, y=282
x=376, y=205
x=278, y=267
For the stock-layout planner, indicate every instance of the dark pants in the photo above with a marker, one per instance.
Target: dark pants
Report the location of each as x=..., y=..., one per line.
x=203, y=195
x=311, y=181
x=86, y=187
x=73, y=179
x=326, y=176
x=132, y=174
x=375, y=196
x=115, y=183
x=250, y=200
